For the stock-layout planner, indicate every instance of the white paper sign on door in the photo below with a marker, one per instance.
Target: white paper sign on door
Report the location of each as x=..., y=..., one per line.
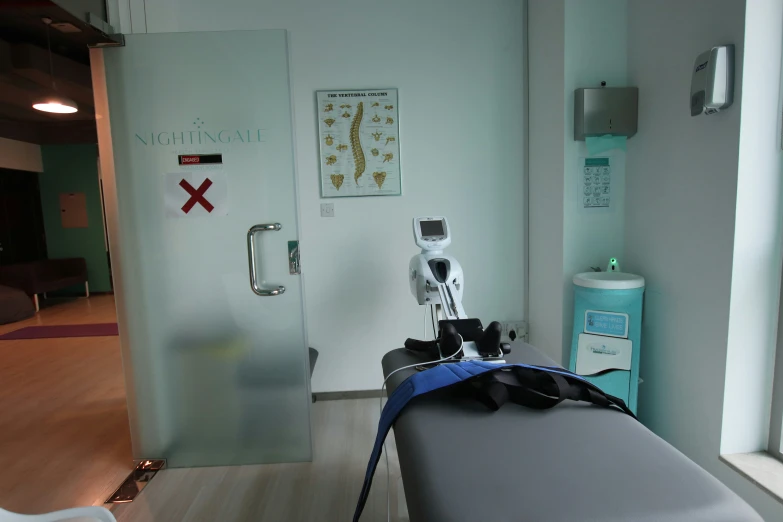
x=196, y=194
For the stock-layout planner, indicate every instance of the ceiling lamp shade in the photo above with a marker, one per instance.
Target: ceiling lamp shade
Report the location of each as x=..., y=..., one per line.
x=55, y=103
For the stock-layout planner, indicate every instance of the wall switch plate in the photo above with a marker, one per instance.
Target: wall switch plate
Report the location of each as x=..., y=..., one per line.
x=327, y=209
x=519, y=329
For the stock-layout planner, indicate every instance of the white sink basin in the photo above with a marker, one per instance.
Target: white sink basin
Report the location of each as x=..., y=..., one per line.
x=609, y=280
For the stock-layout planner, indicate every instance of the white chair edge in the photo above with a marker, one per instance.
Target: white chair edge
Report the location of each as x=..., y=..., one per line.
x=95, y=512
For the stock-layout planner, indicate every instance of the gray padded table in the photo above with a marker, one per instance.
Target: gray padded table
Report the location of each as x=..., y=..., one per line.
x=461, y=462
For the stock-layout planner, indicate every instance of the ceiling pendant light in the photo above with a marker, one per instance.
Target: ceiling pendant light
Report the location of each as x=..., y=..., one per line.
x=53, y=102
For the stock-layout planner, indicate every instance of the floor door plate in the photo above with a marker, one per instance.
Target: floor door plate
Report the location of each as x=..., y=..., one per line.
x=136, y=481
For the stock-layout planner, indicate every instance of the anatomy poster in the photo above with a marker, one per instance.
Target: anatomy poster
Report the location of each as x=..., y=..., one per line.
x=359, y=140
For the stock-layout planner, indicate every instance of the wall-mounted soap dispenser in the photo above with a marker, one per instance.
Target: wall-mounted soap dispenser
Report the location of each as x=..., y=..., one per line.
x=712, y=83
x=605, y=110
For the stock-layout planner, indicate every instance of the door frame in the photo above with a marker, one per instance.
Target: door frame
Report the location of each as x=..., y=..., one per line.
x=106, y=164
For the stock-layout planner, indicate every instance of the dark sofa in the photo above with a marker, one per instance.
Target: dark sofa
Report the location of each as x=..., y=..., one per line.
x=14, y=305
x=39, y=277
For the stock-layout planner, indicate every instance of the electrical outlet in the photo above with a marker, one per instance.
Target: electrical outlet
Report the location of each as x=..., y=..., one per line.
x=514, y=331
x=327, y=209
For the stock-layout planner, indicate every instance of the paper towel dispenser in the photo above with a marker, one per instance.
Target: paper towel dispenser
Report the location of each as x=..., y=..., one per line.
x=712, y=84
x=605, y=110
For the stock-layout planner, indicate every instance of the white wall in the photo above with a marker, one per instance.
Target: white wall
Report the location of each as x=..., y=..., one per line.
x=681, y=193
x=572, y=44
x=595, y=51
x=458, y=66
x=755, y=281
x=20, y=155
x=546, y=55
x=81, y=7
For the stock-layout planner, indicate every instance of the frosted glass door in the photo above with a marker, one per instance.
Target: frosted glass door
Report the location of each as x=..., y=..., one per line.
x=202, y=139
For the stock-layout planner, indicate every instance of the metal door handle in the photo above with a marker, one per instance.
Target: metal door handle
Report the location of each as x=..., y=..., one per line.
x=251, y=259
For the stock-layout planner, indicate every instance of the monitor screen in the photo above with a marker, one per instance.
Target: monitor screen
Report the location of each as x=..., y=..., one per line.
x=432, y=228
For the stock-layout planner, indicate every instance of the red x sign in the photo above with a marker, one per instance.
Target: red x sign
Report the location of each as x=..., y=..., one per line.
x=196, y=195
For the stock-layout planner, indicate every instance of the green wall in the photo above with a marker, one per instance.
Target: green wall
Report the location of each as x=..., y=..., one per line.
x=74, y=168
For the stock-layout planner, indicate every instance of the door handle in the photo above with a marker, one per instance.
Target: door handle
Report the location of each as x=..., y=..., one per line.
x=251, y=259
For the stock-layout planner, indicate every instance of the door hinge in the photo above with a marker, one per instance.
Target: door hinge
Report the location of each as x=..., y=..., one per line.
x=294, y=263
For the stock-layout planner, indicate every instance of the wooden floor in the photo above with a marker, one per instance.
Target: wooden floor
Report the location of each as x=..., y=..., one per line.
x=323, y=490
x=64, y=442
x=64, y=435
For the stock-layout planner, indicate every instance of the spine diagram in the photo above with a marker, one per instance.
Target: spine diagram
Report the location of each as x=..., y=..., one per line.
x=337, y=180
x=356, y=144
x=358, y=137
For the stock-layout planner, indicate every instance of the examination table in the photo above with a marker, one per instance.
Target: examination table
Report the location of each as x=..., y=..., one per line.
x=575, y=462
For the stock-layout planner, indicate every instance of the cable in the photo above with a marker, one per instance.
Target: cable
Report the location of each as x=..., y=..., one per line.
x=49, y=46
x=386, y=453
x=432, y=316
x=425, y=324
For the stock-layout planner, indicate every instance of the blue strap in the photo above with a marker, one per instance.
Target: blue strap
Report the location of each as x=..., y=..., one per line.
x=441, y=376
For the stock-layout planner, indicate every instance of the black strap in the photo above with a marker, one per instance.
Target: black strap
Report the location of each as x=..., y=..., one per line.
x=491, y=392
x=540, y=390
